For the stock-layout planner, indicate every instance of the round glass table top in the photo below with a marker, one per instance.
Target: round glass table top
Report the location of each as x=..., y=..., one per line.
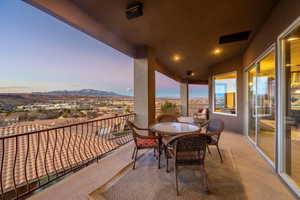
x=173, y=128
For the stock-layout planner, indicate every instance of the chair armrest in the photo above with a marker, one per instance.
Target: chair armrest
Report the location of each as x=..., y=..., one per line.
x=213, y=133
x=142, y=129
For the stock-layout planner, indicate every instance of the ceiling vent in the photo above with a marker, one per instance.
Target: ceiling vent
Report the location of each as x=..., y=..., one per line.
x=134, y=10
x=235, y=37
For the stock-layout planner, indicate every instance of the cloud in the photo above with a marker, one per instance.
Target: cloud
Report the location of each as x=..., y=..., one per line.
x=14, y=88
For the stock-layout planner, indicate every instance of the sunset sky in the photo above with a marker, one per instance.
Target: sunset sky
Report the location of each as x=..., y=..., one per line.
x=41, y=53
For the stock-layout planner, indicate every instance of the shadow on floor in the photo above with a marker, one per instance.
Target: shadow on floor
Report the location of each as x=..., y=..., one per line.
x=148, y=182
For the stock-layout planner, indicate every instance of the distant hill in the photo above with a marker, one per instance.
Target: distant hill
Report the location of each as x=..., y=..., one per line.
x=9, y=101
x=83, y=92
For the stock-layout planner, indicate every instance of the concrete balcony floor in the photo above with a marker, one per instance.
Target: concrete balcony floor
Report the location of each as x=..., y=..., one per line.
x=244, y=175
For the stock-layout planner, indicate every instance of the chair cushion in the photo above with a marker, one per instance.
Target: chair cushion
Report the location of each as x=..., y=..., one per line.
x=146, y=143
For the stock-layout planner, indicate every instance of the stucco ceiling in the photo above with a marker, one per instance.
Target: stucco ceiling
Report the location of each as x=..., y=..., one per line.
x=190, y=28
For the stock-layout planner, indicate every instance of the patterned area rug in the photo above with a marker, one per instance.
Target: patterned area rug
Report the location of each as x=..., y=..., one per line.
x=149, y=183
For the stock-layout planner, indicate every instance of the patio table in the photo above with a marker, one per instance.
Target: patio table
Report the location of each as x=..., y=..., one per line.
x=174, y=128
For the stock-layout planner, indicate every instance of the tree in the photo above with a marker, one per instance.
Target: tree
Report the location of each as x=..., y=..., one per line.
x=169, y=108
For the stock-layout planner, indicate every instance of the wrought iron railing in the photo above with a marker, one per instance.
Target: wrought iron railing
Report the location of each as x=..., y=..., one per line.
x=30, y=161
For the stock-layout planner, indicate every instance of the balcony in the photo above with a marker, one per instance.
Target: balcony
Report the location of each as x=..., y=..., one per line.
x=112, y=177
x=93, y=160
x=247, y=52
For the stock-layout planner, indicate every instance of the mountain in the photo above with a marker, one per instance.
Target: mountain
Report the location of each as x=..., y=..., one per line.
x=83, y=92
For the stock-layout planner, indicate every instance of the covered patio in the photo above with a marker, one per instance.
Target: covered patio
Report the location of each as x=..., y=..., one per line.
x=192, y=42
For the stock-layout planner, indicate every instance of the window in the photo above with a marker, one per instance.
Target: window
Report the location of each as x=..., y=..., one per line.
x=225, y=93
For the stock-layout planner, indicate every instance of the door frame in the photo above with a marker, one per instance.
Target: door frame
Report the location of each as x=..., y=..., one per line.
x=281, y=111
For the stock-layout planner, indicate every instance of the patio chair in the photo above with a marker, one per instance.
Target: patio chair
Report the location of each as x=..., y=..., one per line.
x=214, y=128
x=189, y=149
x=143, y=142
x=165, y=139
x=166, y=118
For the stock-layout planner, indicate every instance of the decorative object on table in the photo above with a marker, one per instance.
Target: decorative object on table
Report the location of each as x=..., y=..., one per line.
x=214, y=128
x=143, y=142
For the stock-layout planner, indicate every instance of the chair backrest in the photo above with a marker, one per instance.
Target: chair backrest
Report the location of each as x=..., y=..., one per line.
x=133, y=128
x=195, y=143
x=217, y=126
x=166, y=118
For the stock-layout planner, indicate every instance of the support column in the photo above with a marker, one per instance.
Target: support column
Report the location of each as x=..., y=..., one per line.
x=184, y=98
x=144, y=92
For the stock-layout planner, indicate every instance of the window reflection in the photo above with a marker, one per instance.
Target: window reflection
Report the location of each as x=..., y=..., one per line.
x=225, y=93
x=261, y=98
x=265, y=94
x=291, y=68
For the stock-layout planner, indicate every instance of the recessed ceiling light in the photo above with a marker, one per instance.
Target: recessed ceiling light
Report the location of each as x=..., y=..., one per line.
x=292, y=39
x=176, y=57
x=217, y=51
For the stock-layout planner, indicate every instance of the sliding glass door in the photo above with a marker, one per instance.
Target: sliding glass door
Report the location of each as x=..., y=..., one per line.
x=290, y=107
x=265, y=101
x=261, y=98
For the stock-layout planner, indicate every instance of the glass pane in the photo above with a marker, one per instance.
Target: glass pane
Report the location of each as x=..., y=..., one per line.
x=291, y=69
x=252, y=103
x=225, y=92
x=167, y=94
x=265, y=94
x=198, y=101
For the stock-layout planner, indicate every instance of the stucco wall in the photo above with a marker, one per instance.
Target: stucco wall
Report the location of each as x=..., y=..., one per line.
x=281, y=17
x=232, y=123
